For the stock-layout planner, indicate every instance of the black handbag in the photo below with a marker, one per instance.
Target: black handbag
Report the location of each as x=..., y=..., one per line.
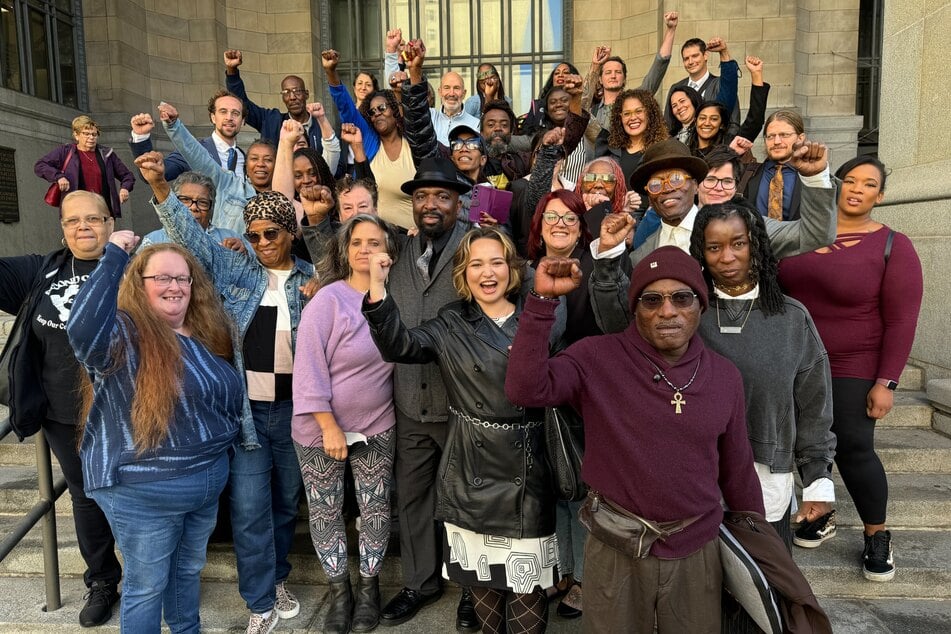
x=564, y=444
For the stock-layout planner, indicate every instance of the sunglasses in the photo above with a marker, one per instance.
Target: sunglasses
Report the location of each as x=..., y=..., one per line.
x=676, y=180
x=372, y=112
x=591, y=177
x=680, y=299
x=474, y=144
x=551, y=218
x=271, y=234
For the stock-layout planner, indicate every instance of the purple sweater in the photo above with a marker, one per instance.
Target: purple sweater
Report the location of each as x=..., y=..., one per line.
x=638, y=452
x=865, y=311
x=338, y=368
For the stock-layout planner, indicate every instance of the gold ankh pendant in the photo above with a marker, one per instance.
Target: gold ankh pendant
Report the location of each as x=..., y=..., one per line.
x=678, y=402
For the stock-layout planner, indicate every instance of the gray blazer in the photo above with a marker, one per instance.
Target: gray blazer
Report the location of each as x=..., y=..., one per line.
x=815, y=228
x=418, y=390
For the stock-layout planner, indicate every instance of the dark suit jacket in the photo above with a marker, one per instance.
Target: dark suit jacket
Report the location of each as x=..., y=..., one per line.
x=750, y=183
x=175, y=163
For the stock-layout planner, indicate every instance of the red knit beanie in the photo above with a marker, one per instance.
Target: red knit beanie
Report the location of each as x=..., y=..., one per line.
x=667, y=263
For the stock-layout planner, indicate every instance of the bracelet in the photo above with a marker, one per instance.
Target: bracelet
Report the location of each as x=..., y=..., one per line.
x=547, y=299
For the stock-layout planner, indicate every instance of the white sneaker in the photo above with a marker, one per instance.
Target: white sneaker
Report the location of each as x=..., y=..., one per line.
x=260, y=625
x=285, y=604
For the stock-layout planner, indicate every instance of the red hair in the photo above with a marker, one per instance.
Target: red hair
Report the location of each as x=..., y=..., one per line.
x=574, y=203
x=620, y=183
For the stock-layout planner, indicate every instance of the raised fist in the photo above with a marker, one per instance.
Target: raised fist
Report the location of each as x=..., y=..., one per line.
x=329, y=59
x=142, y=123
x=167, y=113
x=557, y=276
x=670, y=19
x=601, y=54
x=232, y=59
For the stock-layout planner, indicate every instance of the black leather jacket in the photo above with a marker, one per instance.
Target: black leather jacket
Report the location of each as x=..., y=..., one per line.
x=494, y=477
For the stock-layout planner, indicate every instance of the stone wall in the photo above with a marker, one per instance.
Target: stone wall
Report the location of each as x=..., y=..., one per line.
x=915, y=143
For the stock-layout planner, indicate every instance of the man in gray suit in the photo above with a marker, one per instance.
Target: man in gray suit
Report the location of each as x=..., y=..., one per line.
x=671, y=177
x=421, y=283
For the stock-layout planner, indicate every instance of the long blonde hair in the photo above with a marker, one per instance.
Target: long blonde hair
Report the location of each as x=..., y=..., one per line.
x=158, y=378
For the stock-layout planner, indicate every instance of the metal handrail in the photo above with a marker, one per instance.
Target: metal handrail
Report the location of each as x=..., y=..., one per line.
x=45, y=509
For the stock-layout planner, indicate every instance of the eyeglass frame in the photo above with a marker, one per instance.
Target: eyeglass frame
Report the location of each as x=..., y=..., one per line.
x=270, y=234
x=373, y=112
x=198, y=202
x=594, y=177
x=649, y=297
x=293, y=92
x=183, y=280
x=467, y=144
x=563, y=218
x=92, y=221
x=665, y=183
x=720, y=182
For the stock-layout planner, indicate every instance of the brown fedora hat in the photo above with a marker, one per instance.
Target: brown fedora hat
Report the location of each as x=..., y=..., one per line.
x=664, y=156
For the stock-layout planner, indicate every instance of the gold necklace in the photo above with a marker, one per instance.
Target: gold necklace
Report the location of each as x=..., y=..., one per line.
x=739, y=288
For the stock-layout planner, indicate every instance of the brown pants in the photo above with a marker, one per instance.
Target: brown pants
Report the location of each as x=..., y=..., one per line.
x=623, y=594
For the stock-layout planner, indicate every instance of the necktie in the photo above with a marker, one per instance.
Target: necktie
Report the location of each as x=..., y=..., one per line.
x=774, y=205
x=232, y=159
x=422, y=262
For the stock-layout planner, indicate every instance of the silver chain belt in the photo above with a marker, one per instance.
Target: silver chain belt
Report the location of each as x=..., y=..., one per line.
x=484, y=423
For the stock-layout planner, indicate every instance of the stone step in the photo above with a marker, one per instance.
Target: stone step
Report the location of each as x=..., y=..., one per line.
x=911, y=409
x=913, y=450
x=921, y=560
x=915, y=500
x=912, y=378
x=222, y=610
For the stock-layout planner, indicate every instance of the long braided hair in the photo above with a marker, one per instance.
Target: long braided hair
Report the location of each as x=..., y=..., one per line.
x=763, y=264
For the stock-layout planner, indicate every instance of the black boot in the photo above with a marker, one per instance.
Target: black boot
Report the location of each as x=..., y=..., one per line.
x=366, y=613
x=338, y=616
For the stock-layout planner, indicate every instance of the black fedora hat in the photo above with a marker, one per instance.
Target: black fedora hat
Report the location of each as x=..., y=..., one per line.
x=436, y=171
x=664, y=156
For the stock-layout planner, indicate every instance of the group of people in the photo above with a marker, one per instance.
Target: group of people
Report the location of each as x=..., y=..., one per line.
x=329, y=297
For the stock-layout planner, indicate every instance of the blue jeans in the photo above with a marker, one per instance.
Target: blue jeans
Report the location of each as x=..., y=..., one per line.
x=265, y=494
x=162, y=529
x=571, y=536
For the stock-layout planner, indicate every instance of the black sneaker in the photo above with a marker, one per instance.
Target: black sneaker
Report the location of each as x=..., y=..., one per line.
x=812, y=534
x=877, y=561
x=100, y=598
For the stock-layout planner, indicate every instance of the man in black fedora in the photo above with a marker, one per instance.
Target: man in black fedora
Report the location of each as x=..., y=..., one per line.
x=420, y=282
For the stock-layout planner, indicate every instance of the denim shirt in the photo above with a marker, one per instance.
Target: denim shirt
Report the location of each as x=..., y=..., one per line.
x=232, y=191
x=240, y=279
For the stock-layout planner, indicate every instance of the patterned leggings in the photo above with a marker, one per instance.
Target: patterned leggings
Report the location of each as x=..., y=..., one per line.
x=372, y=466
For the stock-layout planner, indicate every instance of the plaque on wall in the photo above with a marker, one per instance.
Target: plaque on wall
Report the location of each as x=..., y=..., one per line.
x=9, y=202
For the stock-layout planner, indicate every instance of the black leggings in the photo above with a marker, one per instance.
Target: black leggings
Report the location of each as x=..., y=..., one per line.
x=855, y=455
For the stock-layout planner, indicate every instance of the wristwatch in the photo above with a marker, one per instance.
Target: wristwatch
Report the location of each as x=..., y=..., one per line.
x=892, y=385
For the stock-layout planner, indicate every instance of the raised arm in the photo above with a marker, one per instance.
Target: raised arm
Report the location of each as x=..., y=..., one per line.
x=234, y=83
x=590, y=85
x=391, y=57
x=92, y=327
x=759, y=91
x=417, y=122
x=198, y=158
x=283, y=179
x=816, y=226
x=657, y=71
x=729, y=74
x=329, y=141
x=608, y=285
x=344, y=102
x=141, y=142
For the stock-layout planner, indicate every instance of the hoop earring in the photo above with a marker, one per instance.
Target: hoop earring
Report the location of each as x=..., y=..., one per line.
x=63, y=241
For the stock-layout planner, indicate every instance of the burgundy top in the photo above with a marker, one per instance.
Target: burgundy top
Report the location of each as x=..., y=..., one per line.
x=92, y=173
x=639, y=452
x=866, y=311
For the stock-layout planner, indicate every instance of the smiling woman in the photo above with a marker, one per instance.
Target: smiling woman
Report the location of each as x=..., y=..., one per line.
x=490, y=490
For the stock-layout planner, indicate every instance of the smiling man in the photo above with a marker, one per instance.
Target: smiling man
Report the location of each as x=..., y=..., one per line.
x=774, y=185
x=268, y=121
x=452, y=94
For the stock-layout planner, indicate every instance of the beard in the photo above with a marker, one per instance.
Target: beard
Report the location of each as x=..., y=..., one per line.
x=499, y=145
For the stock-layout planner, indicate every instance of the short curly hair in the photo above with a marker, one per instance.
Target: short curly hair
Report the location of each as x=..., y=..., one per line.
x=391, y=102
x=656, y=127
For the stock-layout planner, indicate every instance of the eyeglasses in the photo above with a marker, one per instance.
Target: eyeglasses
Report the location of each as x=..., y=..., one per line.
x=636, y=112
x=710, y=182
x=780, y=135
x=551, y=218
x=271, y=234
x=203, y=204
x=675, y=180
x=164, y=281
x=293, y=92
x=474, y=144
x=92, y=221
x=372, y=112
x=89, y=134
x=680, y=299
x=592, y=177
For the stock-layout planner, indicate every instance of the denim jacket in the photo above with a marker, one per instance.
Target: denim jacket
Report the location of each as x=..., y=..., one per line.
x=232, y=191
x=240, y=279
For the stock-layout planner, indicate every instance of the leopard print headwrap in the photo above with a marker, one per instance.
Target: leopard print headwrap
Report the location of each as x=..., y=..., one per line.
x=273, y=206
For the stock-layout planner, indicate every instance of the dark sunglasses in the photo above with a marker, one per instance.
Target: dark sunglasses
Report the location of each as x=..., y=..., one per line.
x=271, y=234
x=372, y=112
x=680, y=299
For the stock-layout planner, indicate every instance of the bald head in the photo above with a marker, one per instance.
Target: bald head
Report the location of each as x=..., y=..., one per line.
x=452, y=92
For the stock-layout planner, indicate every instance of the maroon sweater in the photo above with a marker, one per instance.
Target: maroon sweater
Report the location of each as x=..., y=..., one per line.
x=865, y=311
x=638, y=452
